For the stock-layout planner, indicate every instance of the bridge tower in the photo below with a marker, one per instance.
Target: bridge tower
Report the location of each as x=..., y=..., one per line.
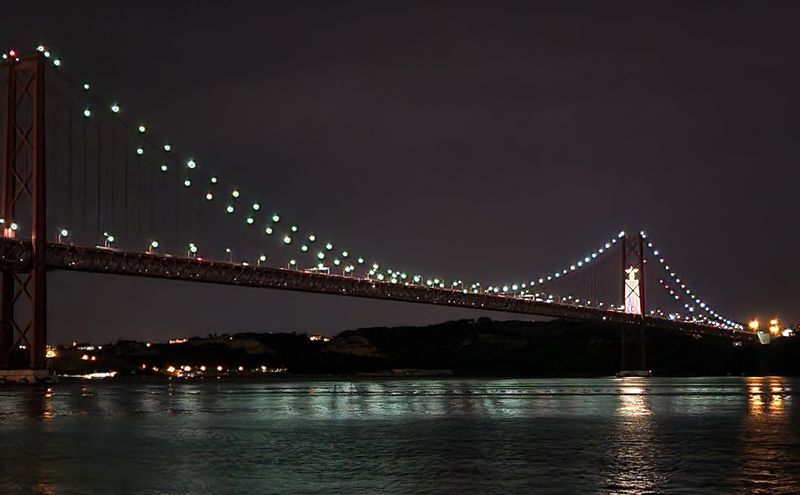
x=23, y=288
x=632, y=339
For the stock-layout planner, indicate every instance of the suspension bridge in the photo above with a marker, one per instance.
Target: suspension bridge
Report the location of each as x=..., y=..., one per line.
x=84, y=188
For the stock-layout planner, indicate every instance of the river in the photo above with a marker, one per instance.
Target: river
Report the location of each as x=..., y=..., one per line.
x=657, y=435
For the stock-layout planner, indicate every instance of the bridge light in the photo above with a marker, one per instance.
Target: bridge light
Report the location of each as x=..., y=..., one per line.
x=345, y=254
x=87, y=113
x=140, y=151
x=250, y=220
x=292, y=262
x=62, y=233
x=774, y=326
x=115, y=108
x=304, y=248
x=191, y=163
x=287, y=240
x=187, y=182
x=329, y=246
x=607, y=245
x=142, y=129
x=163, y=167
x=312, y=238
x=621, y=234
x=293, y=228
x=268, y=231
x=209, y=196
x=230, y=209
x=336, y=261
x=167, y=147
x=262, y=259
x=86, y=87
x=276, y=218
x=256, y=206
x=235, y=193
x=360, y=260
x=321, y=255
x=57, y=62
x=214, y=180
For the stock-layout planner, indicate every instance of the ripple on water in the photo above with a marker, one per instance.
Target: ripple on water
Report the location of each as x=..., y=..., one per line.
x=689, y=435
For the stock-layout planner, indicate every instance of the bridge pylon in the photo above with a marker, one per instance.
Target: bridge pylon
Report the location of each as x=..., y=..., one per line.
x=632, y=338
x=23, y=286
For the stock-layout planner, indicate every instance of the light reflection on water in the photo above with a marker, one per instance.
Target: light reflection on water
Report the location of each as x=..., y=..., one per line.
x=688, y=435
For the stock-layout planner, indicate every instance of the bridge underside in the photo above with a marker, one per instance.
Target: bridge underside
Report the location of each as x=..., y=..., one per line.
x=16, y=255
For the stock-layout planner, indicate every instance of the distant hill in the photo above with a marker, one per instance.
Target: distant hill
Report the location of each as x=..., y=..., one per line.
x=481, y=347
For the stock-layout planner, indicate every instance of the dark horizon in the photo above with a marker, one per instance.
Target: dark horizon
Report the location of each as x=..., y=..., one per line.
x=457, y=139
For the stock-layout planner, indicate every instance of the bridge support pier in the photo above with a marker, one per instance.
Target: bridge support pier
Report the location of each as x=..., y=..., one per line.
x=23, y=286
x=632, y=339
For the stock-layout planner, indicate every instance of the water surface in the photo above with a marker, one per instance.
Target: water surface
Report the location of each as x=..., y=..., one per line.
x=658, y=435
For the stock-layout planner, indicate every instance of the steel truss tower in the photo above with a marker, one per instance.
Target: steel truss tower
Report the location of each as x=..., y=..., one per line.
x=23, y=288
x=632, y=339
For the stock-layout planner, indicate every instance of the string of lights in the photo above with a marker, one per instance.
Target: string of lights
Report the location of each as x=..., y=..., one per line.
x=568, y=270
x=696, y=304
x=290, y=237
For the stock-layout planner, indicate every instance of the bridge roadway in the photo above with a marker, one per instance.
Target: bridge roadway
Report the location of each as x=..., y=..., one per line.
x=17, y=254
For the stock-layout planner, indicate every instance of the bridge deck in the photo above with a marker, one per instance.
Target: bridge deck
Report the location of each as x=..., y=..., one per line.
x=17, y=254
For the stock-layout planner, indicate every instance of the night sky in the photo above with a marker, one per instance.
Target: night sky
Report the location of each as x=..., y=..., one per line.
x=491, y=140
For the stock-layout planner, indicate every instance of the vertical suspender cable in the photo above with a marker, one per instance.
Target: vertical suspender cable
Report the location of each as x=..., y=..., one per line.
x=125, y=196
x=70, y=167
x=99, y=177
